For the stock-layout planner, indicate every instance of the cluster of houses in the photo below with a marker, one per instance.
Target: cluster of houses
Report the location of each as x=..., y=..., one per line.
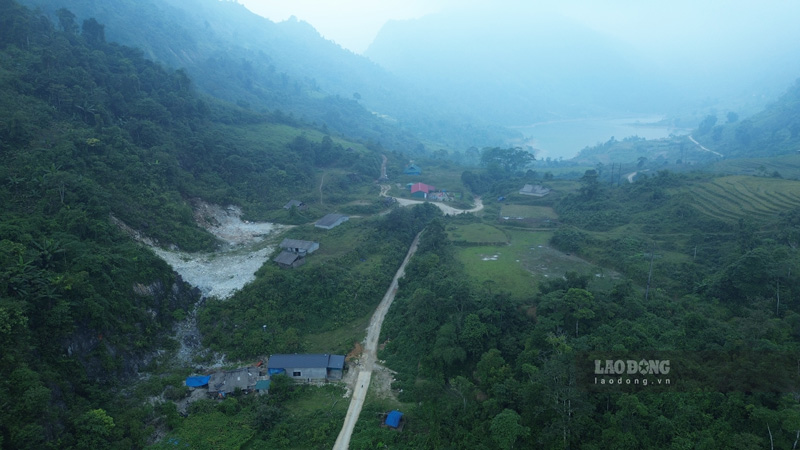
x=256, y=378
x=428, y=192
x=294, y=251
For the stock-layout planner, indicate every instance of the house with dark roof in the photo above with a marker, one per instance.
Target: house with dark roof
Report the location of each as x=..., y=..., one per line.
x=295, y=204
x=299, y=246
x=412, y=169
x=290, y=260
x=331, y=221
x=228, y=381
x=307, y=366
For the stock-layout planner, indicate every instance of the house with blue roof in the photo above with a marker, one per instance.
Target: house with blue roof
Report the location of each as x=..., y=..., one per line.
x=412, y=169
x=394, y=420
x=307, y=366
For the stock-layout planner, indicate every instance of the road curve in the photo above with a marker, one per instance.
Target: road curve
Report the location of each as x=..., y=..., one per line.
x=370, y=355
x=447, y=209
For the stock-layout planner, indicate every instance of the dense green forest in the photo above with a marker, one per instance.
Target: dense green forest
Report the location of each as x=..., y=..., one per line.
x=93, y=133
x=286, y=66
x=490, y=371
x=91, y=130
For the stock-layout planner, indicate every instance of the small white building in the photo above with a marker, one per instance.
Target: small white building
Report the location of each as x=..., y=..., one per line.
x=534, y=190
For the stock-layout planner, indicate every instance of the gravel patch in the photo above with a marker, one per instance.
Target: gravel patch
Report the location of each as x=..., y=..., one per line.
x=245, y=247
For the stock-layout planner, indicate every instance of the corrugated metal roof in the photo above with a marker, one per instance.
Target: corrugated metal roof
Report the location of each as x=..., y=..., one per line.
x=336, y=362
x=297, y=243
x=330, y=220
x=295, y=203
x=304, y=361
x=287, y=258
x=421, y=187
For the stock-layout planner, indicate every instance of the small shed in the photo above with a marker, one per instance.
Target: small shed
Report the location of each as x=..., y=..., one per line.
x=299, y=246
x=412, y=169
x=262, y=386
x=331, y=221
x=295, y=204
x=290, y=260
x=307, y=366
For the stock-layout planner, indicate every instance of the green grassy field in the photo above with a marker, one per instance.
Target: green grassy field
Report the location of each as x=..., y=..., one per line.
x=528, y=212
x=733, y=197
x=477, y=233
x=339, y=341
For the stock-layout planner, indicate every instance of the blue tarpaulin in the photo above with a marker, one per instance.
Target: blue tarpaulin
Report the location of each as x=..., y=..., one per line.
x=197, y=381
x=393, y=419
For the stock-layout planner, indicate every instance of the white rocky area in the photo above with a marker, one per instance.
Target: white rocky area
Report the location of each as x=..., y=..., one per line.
x=246, y=247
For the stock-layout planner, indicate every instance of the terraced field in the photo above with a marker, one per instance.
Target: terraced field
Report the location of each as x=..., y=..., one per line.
x=788, y=166
x=734, y=197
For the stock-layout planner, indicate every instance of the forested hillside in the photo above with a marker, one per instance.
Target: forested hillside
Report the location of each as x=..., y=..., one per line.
x=724, y=143
x=240, y=57
x=772, y=132
x=91, y=130
x=485, y=368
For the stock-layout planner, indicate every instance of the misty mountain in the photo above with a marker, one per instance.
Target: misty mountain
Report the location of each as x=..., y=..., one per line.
x=773, y=131
x=521, y=69
x=241, y=57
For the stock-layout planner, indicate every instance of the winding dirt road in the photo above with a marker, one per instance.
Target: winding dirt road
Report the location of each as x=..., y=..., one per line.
x=370, y=355
x=447, y=209
x=705, y=149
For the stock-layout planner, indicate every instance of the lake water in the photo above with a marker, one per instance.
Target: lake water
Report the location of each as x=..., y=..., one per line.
x=565, y=138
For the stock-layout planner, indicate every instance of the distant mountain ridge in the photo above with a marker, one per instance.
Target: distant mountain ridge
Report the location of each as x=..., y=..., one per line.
x=238, y=56
x=520, y=69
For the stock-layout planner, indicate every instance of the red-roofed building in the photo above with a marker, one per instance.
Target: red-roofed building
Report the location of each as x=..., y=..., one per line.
x=420, y=190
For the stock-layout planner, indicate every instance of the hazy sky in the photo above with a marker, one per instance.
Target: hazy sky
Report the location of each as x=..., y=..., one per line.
x=669, y=25
x=353, y=24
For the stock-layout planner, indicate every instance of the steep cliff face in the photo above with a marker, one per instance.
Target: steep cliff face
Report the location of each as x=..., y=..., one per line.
x=104, y=359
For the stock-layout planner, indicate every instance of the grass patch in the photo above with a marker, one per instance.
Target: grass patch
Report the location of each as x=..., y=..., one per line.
x=525, y=262
x=502, y=265
x=340, y=340
x=477, y=233
x=528, y=212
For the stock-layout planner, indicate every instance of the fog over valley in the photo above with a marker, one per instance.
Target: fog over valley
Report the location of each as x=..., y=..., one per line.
x=399, y=224
x=522, y=63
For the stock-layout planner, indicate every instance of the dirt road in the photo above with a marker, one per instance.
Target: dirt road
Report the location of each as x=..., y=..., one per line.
x=370, y=355
x=705, y=149
x=447, y=209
